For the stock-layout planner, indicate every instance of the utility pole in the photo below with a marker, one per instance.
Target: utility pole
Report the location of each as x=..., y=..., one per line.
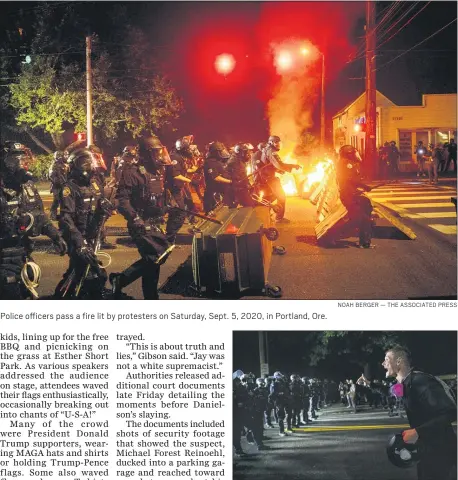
x=263, y=353
x=323, y=124
x=88, y=93
x=370, y=143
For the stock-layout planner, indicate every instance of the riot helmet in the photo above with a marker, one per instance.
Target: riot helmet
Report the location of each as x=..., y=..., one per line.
x=261, y=382
x=400, y=453
x=219, y=151
x=349, y=159
x=153, y=155
x=82, y=164
x=305, y=380
x=184, y=143
x=243, y=151
x=97, y=155
x=278, y=376
x=15, y=163
x=247, y=379
x=237, y=374
x=129, y=154
x=275, y=142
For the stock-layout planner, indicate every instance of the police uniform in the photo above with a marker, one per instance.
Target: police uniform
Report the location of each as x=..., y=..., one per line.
x=177, y=188
x=22, y=217
x=58, y=178
x=239, y=191
x=140, y=196
x=271, y=164
x=79, y=221
x=359, y=207
x=213, y=168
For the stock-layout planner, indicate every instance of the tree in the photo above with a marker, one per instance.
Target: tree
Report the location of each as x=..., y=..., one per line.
x=357, y=348
x=49, y=94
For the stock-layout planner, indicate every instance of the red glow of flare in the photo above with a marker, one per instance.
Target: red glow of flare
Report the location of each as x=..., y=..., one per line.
x=224, y=63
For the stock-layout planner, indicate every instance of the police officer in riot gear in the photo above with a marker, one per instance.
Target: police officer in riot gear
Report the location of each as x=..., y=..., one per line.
x=140, y=198
x=271, y=164
x=83, y=211
x=58, y=177
x=177, y=180
x=22, y=217
x=279, y=393
x=239, y=191
x=216, y=176
x=359, y=207
x=421, y=153
x=256, y=163
x=295, y=388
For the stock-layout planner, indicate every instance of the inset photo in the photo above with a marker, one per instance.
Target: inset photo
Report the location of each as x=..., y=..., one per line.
x=332, y=405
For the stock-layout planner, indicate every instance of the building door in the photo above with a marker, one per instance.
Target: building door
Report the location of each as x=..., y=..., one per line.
x=423, y=136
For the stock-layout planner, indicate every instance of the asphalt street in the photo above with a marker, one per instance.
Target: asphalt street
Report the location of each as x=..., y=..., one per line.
x=340, y=445
x=395, y=268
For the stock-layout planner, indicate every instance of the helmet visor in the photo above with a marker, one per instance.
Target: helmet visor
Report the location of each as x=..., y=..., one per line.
x=162, y=156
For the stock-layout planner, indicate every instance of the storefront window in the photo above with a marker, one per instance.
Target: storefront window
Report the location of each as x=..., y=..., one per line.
x=441, y=136
x=405, y=144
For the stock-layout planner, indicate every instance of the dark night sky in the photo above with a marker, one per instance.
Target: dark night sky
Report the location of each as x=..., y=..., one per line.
x=433, y=352
x=186, y=36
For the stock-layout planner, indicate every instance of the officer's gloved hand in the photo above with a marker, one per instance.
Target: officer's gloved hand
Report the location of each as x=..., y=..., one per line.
x=105, y=206
x=86, y=254
x=296, y=167
x=61, y=246
x=138, y=226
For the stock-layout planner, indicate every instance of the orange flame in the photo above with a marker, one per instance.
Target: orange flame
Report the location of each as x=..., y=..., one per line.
x=315, y=176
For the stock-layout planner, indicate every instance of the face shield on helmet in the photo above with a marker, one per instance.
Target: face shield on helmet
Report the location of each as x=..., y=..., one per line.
x=243, y=151
x=218, y=151
x=260, y=382
x=275, y=142
x=184, y=143
x=82, y=164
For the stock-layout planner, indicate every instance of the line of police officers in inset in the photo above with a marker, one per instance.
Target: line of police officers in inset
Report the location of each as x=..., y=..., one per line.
x=292, y=402
x=148, y=185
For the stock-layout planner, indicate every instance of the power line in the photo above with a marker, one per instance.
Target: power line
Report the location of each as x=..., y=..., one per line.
x=405, y=25
x=420, y=43
x=390, y=13
x=383, y=34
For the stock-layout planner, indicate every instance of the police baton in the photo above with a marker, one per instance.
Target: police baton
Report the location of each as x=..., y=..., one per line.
x=195, y=214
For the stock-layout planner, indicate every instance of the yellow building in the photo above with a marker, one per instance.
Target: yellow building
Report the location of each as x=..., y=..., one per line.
x=434, y=121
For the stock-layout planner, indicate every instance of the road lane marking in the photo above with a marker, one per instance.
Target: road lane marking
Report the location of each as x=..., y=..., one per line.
x=350, y=427
x=426, y=197
x=400, y=209
x=431, y=215
x=446, y=229
x=428, y=205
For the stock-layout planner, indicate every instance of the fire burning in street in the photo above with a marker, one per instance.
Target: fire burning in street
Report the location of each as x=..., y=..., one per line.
x=288, y=183
x=316, y=176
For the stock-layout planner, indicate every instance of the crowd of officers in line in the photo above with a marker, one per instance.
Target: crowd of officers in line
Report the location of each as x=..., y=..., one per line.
x=289, y=402
x=294, y=402
x=147, y=185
